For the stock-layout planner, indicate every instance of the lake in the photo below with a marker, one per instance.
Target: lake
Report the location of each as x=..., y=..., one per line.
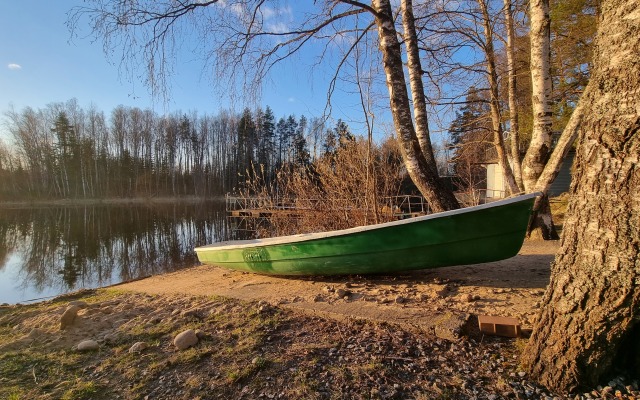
x=47, y=251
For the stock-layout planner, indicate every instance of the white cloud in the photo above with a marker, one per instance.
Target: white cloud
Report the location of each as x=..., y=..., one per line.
x=268, y=12
x=237, y=9
x=14, y=66
x=291, y=99
x=279, y=27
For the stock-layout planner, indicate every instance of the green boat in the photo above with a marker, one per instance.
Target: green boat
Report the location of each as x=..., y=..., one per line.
x=484, y=233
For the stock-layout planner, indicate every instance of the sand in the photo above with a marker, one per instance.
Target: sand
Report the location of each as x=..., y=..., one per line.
x=426, y=299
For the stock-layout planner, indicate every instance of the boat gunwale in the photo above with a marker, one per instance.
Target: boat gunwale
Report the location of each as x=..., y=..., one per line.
x=304, y=237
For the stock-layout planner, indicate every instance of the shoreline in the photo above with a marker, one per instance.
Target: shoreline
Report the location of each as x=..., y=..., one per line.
x=109, y=201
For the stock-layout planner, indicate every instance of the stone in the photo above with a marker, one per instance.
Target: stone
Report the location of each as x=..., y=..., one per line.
x=449, y=326
x=138, y=347
x=87, y=345
x=467, y=298
x=68, y=316
x=79, y=303
x=185, y=339
x=342, y=293
x=193, y=313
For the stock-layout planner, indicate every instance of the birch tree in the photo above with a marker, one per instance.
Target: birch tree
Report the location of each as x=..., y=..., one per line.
x=242, y=46
x=590, y=320
x=514, y=118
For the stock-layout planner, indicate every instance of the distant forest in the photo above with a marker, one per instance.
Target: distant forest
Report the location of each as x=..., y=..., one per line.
x=66, y=152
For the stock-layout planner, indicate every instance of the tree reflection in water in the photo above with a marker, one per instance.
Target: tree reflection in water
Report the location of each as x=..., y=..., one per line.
x=67, y=248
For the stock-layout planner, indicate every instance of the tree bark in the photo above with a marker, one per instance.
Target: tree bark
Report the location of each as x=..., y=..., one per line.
x=592, y=304
x=439, y=197
x=512, y=84
x=496, y=123
x=540, y=146
x=415, y=80
x=539, y=149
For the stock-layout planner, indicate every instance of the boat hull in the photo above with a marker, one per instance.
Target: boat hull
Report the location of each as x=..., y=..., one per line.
x=473, y=235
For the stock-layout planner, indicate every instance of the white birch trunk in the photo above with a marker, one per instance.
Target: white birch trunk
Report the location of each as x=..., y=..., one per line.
x=513, y=106
x=492, y=77
x=540, y=146
x=423, y=174
x=415, y=80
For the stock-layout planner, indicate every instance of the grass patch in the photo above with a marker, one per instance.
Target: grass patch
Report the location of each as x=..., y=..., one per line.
x=81, y=390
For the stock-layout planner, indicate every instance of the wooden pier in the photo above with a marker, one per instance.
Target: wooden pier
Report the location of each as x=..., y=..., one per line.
x=250, y=213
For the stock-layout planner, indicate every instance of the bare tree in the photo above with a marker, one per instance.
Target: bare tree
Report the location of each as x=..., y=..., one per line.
x=514, y=128
x=496, y=118
x=242, y=46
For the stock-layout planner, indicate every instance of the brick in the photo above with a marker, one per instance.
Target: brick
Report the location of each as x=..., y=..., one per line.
x=501, y=326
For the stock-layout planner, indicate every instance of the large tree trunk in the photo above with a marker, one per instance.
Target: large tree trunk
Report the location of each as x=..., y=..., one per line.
x=421, y=167
x=590, y=320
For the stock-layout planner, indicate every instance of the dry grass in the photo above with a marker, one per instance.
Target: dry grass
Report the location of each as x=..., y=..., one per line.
x=338, y=191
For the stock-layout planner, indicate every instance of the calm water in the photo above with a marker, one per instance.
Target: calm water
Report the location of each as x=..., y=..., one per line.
x=48, y=251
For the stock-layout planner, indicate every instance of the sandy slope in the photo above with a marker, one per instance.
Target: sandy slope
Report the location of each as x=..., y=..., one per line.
x=424, y=299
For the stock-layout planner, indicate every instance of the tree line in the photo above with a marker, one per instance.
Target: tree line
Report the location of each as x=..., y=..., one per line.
x=66, y=151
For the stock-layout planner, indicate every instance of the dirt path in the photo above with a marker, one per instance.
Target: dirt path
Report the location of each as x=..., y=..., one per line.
x=438, y=300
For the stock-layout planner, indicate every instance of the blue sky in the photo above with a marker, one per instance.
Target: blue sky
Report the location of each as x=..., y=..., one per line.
x=41, y=64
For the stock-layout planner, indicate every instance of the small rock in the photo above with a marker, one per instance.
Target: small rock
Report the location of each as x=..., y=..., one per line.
x=467, y=298
x=443, y=291
x=200, y=334
x=185, y=339
x=476, y=297
x=342, y=293
x=424, y=297
x=193, y=313
x=400, y=300
x=138, y=347
x=68, y=316
x=79, y=303
x=257, y=360
x=87, y=345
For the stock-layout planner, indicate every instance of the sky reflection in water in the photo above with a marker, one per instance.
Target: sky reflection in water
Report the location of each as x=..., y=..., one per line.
x=48, y=251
